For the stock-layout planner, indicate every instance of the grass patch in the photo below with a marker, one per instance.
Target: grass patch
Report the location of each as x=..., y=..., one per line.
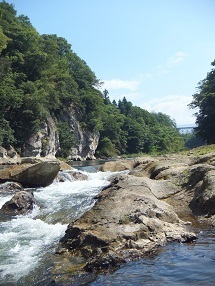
x=200, y=150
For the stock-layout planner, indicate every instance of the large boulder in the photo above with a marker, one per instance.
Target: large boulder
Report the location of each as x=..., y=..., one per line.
x=31, y=175
x=127, y=221
x=21, y=203
x=203, y=202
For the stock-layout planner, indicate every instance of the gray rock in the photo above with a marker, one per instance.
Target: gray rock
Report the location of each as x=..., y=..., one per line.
x=11, y=152
x=45, y=142
x=21, y=203
x=86, y=141
x=203, y=202
x=3, y=153
x=127, y=221
x=10, y=187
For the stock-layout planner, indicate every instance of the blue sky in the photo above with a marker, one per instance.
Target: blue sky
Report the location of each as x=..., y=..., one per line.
x=153, y=52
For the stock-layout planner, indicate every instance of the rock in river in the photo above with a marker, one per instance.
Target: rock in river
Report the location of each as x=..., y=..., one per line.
x=127, y=221
x=31, y=175
x=21, y=203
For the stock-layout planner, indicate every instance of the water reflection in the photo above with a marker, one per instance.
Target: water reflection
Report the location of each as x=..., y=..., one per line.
x=90, y=166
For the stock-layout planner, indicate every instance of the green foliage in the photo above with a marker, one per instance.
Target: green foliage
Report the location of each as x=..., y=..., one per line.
x=106, y=149
x=204, y=101
x=40, y=76
x=192, y=141
x=133, y=130
x=66, y=138
x=6, y=133
x=91, y=109
x=3, y=40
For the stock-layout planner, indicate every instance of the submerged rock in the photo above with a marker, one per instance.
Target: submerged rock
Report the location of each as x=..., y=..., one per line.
x=78, y=176
x=71, y=176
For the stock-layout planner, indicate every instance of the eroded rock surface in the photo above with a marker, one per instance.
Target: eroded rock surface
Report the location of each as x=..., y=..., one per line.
x=157, y=202
x=128, y=220
x=21, y=203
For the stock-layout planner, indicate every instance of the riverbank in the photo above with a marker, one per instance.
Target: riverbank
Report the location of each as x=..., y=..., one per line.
x=155, y=201
x=149, y=202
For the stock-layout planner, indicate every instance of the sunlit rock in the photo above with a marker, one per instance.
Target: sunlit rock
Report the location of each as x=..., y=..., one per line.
x=21, y=203
x=31, y=175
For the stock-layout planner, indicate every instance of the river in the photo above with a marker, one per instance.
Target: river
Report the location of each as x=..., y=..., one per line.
x=27, y=243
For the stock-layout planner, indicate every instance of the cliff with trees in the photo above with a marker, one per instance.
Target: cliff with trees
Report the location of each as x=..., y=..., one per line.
x=51, y=102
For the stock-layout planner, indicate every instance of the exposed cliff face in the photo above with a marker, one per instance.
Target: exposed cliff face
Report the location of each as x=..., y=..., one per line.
x=86, y=141
x=45, y=143
x=85, y=147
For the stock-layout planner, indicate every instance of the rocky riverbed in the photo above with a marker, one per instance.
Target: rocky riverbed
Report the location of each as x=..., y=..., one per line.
x=156, y=201
x=149, y=202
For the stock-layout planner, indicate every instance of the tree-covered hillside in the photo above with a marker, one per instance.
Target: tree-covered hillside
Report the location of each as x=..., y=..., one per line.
x=40, y=75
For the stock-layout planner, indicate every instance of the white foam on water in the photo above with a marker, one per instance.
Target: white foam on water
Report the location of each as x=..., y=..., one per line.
x=4, y=199
x=63, y=195
x=25, y=239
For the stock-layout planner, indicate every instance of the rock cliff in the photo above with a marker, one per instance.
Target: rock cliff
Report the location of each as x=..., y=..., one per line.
x=46, y=143
x=86, y=141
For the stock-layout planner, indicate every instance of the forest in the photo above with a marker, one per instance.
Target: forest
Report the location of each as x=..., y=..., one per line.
x=41, y=75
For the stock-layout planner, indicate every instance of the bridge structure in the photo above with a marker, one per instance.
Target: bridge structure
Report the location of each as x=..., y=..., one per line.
x=186, y=128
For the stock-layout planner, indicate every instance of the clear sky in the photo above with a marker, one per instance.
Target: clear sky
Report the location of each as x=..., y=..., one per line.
x=153, y=52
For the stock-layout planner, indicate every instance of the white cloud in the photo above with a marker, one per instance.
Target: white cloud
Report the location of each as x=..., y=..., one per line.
x=162, y=70
x=148, y=75
x=131, y=85
x=177, y=58
x=173, y=105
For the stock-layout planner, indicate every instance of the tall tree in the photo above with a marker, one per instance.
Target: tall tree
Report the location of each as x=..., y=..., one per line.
x=204, y=101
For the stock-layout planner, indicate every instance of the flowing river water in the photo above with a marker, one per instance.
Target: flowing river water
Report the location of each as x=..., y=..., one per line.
x=27, y=243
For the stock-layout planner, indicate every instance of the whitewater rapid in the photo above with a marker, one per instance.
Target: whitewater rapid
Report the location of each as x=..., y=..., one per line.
x=25, y=239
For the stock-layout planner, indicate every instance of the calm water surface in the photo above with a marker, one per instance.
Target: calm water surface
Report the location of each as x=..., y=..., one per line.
x=176, y=264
